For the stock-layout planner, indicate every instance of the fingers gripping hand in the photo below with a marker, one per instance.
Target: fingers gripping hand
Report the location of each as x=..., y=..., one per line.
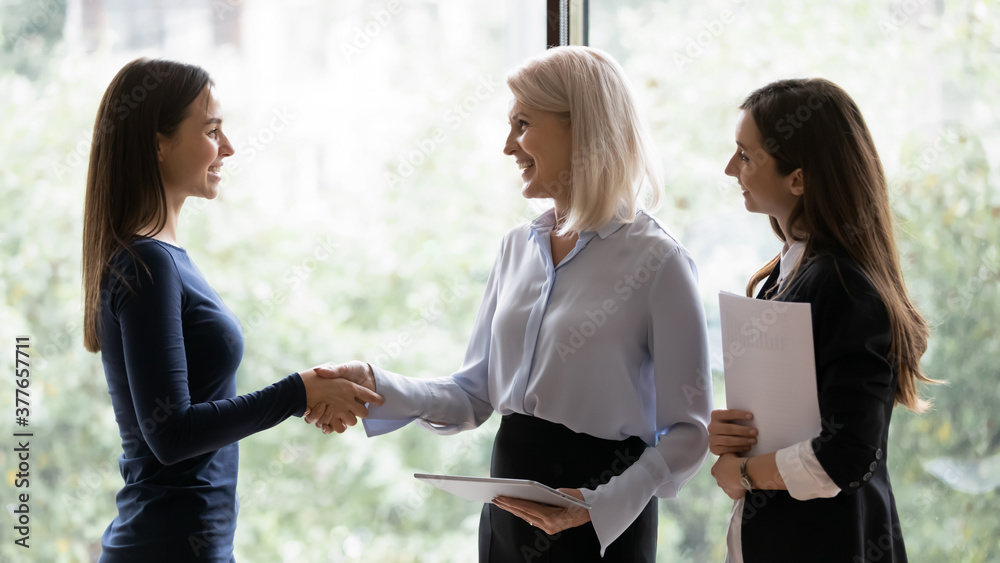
x=359, y=372
x=728, y=432
x=356, y=371
x=317, y=412
x=334, y=404
x=339, y=398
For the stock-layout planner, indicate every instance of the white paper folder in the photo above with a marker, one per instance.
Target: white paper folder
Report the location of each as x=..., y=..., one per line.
x=770, y=368
x=485, y=489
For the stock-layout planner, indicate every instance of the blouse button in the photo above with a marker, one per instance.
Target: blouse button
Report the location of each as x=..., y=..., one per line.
x=873, y=466
x=878, y=453
x=867, y=476
x=854, y=485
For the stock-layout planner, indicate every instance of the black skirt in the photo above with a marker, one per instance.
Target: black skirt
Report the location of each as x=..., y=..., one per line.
x=527, y=447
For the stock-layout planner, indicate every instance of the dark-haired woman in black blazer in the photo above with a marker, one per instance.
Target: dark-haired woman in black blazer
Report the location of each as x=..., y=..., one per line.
x=820, y=180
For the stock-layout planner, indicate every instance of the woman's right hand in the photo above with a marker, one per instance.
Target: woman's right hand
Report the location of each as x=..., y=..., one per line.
x=725, y=435
x=342, y=400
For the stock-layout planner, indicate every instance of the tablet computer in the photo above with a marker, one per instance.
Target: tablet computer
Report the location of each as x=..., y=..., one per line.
x=485, y=489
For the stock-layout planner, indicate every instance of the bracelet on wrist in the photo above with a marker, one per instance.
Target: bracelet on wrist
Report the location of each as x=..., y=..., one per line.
x=744, y=477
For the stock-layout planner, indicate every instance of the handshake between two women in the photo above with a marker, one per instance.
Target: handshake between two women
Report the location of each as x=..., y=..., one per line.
x=337, y=395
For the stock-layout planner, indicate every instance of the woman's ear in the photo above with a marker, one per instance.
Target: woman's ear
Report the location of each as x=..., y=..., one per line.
x=797, y=187
x=161, y=145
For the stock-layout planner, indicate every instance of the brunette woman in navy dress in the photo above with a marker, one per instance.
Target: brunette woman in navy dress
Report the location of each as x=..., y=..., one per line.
x=169, y=345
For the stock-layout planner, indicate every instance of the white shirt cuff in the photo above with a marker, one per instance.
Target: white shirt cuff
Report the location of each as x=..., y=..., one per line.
x=405, y=401
x=615, y=505
x=802, y=473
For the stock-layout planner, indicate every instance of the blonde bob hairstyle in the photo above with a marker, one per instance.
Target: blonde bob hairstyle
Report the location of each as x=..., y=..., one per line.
x=614, y=171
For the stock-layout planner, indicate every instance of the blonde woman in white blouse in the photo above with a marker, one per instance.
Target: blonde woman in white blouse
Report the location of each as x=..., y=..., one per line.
x=590, y=340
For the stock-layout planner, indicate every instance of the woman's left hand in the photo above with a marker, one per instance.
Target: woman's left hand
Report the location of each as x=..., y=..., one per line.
x=727, y=435
x=549, y=519
x=727, y=474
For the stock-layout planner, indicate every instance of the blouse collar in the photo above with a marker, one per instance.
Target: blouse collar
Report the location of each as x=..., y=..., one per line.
x=790, y=257
x=547, y=221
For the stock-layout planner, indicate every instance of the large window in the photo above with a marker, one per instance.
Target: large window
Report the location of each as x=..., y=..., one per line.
x=367, y=198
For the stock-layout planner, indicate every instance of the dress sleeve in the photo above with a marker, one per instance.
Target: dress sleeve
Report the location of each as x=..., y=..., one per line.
x=856, y=383
x=152, y=335
x=454, y=403
x=678, y=345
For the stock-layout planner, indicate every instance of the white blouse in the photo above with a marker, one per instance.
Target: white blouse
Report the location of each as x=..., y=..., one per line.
x=798, y=466
x=611, y=342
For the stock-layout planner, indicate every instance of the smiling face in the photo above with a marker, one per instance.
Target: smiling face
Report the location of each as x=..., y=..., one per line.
x=541, y=144
x=191, y=158
x=765, y=190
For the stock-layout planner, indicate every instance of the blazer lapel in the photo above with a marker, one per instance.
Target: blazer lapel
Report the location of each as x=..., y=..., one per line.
x=771, y=283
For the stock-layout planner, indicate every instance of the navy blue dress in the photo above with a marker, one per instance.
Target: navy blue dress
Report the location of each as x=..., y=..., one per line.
x=170, y=349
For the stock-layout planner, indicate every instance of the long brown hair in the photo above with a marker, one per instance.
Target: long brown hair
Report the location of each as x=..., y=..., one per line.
x=124, y=188
x=813, y=124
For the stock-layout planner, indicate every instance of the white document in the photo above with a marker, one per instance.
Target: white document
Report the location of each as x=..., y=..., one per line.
x=485, y=489
x=770, y=368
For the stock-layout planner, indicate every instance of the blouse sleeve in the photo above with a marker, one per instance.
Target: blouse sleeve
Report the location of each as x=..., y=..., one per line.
x=802, y=473
x=172, y=426
x=678, y=345
x=455, y=403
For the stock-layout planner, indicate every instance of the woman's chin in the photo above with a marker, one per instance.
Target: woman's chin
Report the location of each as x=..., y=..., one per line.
x=533, y=190
x=211, y=191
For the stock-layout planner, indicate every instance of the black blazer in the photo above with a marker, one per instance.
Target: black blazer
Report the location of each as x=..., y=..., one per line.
x=856, y=383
